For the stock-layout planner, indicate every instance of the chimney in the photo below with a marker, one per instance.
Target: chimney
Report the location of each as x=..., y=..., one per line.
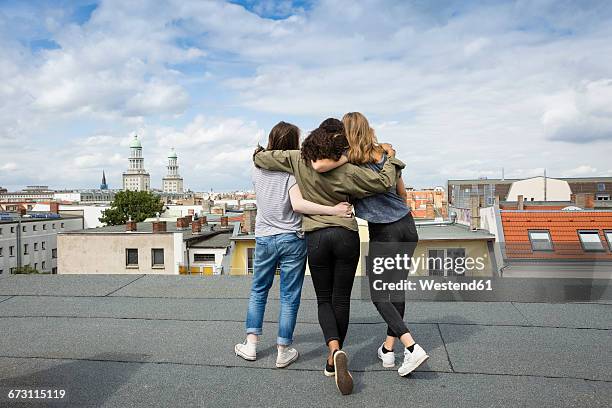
x=474, y=213
x=131, y=225
x=189, y=218
x=196, y=227
x=585, y=200
x=520, y=205
x=182, y=223
x=429, y=211
x=248, y=220
x=203, y=220
x=159, y=226
x=54, y=207
x=224, y=221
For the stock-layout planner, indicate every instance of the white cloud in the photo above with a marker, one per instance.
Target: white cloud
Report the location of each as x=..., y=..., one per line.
x=583, y=170
x=460, y=89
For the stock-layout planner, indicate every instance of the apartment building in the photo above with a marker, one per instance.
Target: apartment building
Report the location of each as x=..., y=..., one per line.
x=30, y=239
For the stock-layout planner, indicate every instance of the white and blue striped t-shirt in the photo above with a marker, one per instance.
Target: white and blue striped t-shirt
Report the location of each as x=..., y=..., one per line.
x=274, y=211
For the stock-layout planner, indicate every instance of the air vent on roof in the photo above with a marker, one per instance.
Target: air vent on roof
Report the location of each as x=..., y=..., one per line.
x=571, y=208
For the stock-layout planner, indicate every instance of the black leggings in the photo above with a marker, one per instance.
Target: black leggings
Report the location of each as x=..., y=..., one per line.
x=402, y=230
x=333, y=255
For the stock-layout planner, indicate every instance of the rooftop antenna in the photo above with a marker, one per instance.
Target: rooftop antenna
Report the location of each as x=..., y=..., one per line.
x=545, y=184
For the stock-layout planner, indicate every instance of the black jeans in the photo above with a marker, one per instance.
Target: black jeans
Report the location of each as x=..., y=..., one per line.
x=333, y=255
x=402, y=230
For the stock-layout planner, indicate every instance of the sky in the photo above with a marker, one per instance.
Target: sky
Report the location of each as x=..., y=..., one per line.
x=461, y=89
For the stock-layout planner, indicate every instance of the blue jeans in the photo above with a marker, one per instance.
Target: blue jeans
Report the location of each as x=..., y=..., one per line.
x=289, y=252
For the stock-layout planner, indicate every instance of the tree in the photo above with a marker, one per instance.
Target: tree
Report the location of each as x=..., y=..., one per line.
x=137, y=205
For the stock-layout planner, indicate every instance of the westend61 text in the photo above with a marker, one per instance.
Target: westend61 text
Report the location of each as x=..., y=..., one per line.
x=432, y=285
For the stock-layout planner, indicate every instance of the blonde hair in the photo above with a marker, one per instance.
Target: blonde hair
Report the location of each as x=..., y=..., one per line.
x=363, y=144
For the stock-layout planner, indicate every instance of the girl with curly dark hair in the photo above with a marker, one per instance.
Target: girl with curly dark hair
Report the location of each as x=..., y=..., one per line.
x=391, y=227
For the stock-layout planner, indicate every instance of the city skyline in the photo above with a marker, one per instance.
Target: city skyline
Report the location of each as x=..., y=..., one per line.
x=461, y=90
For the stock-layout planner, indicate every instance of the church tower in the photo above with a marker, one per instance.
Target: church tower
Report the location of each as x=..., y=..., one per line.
x=173, y=182
x=103, y=186
x=136, y=177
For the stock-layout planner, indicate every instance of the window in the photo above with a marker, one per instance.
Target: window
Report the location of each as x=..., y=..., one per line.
x=157, y=256
x=36, y=246
x=62, y=225
x=540, y=240
x=54, y=253
x=435, y=262
x=25, y=249
x=203, y=257
x=36, y=265
x=12, y=230
x=250, y=259
x=608, y=235
x=43, y=265
x=44, y=226
x=54, y=271
x=602, y=197
x=0, y=231
x=43, y=245
x=1, y=251
x=34, y=227
x=23, y=228
x=590, y=241
x=1, y=271
x=131, y=257
x=11, y=250
x=601, y=187
x=446, y=262
x=53, y=225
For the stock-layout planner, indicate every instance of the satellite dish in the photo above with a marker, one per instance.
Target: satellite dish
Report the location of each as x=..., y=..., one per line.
x=571, y=208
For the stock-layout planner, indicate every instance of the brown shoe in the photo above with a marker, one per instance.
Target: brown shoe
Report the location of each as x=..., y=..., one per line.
x=344, y=379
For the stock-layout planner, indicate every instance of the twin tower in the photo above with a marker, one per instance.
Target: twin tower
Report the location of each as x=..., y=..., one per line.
x=136, y=177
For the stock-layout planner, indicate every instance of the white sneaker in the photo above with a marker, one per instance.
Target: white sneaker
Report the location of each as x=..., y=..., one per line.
x=286, y=356
x=246, y=350
x=412, y=360
x=388, y=359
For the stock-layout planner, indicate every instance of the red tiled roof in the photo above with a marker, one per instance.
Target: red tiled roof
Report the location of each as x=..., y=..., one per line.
x=563, y=227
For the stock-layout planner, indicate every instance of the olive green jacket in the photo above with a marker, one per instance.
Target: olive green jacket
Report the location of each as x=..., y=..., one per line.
x=331, y=187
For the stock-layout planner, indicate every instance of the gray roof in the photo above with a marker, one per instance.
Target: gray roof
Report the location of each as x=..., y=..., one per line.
x=59, y=217
x=431, y=232
x=147, y=227
x=510, y=180
x=221, y=240
x=158, y=341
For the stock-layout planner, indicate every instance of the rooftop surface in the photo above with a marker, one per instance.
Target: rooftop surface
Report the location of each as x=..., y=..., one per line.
x=147, y=227
x=123, y=341
x=450, y=231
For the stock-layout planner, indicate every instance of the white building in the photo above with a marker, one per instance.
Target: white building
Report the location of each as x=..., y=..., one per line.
x=173, y=182
x=136, y=177
x=540, y=189
x=157, y=247
x=36, y=237
x=90, y=213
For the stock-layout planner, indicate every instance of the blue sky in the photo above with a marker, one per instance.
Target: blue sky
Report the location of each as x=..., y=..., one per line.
x=461, y=89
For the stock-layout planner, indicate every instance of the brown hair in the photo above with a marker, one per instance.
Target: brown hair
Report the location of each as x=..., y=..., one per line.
x=361, y=138
x=284, y=136
x=328, y=141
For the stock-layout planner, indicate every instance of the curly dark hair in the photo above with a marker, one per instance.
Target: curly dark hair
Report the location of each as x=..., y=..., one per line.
x=332, y=125
x=328, y=141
